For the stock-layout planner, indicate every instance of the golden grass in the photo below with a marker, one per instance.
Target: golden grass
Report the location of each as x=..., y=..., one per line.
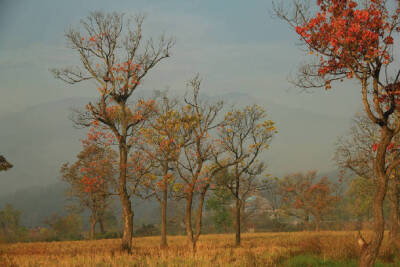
x=258, y=249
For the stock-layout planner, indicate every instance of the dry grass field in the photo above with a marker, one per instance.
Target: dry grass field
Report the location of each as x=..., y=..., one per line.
x=258, y=249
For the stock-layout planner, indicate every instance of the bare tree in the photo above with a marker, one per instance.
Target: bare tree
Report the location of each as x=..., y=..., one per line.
x=244, y=135
x=197, y=164
x=355, y=152
x=115, y=55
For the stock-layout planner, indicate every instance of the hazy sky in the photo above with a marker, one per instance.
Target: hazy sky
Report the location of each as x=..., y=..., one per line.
x=235, y=45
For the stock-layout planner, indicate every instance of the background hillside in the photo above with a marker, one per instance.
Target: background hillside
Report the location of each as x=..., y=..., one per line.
x=39, y=139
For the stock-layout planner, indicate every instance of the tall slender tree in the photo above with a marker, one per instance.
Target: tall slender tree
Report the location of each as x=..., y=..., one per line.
x=199, y=160
x=355, y=153
x=114, y=54
x=162, y=146
x=243, y=136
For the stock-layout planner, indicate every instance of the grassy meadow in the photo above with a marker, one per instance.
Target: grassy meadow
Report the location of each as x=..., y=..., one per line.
x=258, y=249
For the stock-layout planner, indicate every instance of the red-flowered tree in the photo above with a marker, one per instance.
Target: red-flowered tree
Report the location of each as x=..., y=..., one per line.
x=92, y=180
x=354, y=40
x=161, y=144
x=114, y=54
x=302, y=196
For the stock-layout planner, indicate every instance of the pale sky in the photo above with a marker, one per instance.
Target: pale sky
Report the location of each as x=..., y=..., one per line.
x=235, y=45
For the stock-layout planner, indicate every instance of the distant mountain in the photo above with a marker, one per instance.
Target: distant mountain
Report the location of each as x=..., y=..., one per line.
x=36, y=203
x=39, y=139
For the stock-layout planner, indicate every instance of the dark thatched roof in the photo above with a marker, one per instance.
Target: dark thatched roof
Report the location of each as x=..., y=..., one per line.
x=4, y=164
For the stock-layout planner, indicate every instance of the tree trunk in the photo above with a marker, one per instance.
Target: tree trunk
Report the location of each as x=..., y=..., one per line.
x=102, y=231
x=188, y=216
x=238, y=206
x=92, y=228
x=237, y=221
x=199, y=215
x=127, y=214
x=194, y=246
x=395, y=215
x=164, y=217
x=370, y=251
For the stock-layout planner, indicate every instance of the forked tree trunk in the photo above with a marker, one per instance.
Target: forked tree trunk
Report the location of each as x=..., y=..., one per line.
x=199, y=216
x=369, y=251
x=194, y=237
x=127, y=214
x=164, y=217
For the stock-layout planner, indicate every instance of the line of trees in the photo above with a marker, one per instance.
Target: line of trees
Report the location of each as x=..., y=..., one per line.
x=172, y=148
x=166, y=147
x=182, y=150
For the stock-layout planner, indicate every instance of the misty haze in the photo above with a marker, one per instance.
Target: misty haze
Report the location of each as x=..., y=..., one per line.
x=199, y=133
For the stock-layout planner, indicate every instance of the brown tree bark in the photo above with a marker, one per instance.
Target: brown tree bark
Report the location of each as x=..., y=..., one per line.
x=237, y=215
x=164, y=217
x=194, y=236
x=93, y=223
x=101, y=226
x=127, y=214
x=369, y=251
x=199, y=216
x=188, y=217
